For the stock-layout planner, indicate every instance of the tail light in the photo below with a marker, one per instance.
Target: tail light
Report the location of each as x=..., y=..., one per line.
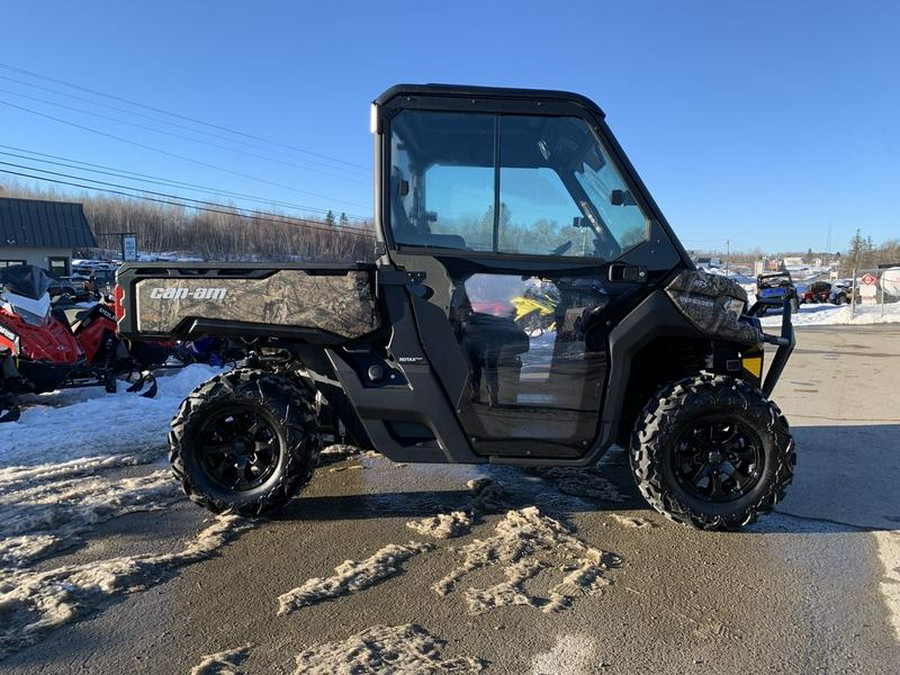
x=119, y=302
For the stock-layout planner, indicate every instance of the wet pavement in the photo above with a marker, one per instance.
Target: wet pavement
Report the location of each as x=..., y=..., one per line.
x=808, y=589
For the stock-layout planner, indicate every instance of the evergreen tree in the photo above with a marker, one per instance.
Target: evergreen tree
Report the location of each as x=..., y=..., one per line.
x=329, y=218
x=344, y=221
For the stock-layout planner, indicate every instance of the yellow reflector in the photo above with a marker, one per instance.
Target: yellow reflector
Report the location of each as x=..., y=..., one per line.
x=753, y=365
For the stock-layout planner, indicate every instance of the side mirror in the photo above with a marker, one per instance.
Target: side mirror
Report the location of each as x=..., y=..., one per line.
x=621, y=198
x=580, y=221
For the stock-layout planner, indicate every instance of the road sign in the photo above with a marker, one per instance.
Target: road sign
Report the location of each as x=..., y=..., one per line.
x=868, y=279
x=129, y=247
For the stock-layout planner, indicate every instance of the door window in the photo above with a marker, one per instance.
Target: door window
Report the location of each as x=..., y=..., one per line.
x=515, y=184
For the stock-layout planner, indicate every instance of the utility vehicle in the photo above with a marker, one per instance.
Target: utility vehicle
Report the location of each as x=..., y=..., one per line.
x=480, y=195
x=774, y=288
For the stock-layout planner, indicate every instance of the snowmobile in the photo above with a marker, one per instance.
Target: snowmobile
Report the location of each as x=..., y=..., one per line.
x=536, y=310
x=38, y=352
x=41, y=351
x=110, y=357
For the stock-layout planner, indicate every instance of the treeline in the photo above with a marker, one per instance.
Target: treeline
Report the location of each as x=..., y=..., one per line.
x=220, y=232
x=863, y=254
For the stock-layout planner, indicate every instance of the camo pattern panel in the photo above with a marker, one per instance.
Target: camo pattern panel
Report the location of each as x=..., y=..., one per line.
x=706, y=300
x=343, y=304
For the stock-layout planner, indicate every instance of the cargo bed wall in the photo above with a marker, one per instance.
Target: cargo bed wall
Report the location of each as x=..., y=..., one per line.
x=162, y=301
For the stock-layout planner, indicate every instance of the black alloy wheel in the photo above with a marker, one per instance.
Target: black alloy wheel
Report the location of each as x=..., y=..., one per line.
x=246, y=441
x=718, y=460
x=238, y=448
x=713, y=452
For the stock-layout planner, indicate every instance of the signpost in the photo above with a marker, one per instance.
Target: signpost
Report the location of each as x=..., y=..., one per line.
x=129, y=247
x=867, y=289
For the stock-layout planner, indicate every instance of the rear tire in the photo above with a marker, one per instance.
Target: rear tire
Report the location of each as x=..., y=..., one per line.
x=712, y=452
x=245, y=441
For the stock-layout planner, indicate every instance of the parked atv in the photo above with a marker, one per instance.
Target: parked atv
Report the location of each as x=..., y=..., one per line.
x=648, y=352
x=775, y=288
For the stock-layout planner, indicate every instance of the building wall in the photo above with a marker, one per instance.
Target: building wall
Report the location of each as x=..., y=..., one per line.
x=35, y=256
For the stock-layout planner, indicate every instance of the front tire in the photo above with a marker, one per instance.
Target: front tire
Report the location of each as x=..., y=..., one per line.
x=712, y=452
x=245, y=441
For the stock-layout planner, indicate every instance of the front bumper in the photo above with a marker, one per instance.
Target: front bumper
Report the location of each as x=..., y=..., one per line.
x=785, y=342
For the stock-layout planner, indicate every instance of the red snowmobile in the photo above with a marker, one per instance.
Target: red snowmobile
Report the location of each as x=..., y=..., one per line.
x=40, y=351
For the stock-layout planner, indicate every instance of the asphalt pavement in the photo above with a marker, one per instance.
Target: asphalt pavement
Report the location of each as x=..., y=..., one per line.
x=811, y=588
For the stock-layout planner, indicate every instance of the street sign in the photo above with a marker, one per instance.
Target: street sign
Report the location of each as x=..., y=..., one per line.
x=868, y=279
x=129, y=247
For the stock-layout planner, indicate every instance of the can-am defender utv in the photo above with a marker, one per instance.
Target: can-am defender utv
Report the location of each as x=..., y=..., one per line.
x=482, y=194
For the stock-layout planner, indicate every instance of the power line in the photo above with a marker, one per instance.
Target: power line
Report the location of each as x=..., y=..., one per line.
x=174, y=200
x=352, y=168
x=183, y=137
x=34, y=156
x=174, y=155
x=176, y=115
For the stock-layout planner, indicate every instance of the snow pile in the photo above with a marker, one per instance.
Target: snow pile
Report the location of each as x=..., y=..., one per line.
x=351, y=576
x=486, y=496
x=55, y=464
x=48, y=513
x=223, y=663
x=526, y=543
x=832, y=315
x=95, y=423
x=32, y=603
x=384, y=649
x=443, y=525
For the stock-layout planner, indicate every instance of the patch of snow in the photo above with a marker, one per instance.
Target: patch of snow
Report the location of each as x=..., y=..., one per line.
x=633, y=521
x=832, y=315
x=96, y=423
x=337, y=453
x=580, y=482
x=47, y=514
x=525, y=543
x=351, y=576
x=572, y=654
x=32, y=603
x=888, y=543
x=384, y=649
x=487, y=496
x=223, y=663
x=443, y=525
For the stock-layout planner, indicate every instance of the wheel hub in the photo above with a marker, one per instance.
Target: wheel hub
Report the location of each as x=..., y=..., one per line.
x=240, y=449
x=718, y=459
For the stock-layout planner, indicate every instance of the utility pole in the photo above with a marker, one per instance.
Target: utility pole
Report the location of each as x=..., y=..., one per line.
x=727, y=254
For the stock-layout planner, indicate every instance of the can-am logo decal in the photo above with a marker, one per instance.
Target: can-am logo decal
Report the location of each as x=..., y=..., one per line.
x=216, y=294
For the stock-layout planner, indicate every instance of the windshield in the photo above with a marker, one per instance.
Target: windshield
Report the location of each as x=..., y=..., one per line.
x=31, y=311
x=25, y=280
x=518, y=184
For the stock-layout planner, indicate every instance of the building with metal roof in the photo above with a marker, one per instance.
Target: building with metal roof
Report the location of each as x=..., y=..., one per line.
x=42, y=233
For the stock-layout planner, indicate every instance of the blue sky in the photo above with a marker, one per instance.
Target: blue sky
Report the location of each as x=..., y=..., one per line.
x=765, y=123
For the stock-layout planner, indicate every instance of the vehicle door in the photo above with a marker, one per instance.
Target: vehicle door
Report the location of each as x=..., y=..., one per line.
x=528, y=244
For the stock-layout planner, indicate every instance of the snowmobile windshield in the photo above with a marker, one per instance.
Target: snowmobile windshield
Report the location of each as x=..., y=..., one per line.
x=31, y=311
x=25, y=280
